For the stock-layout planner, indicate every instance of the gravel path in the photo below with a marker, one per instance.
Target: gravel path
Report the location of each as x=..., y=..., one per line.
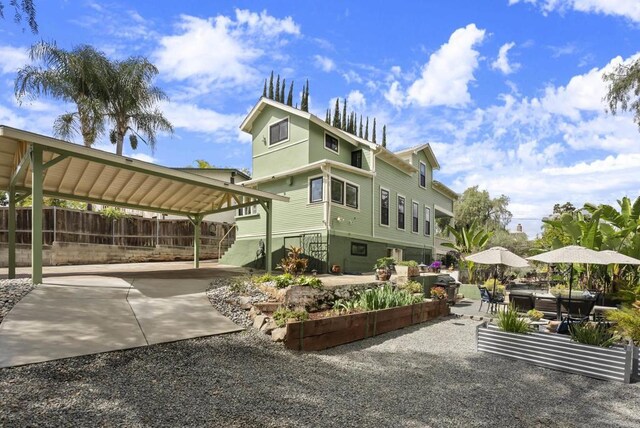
x=11, y=291
x=427, y=375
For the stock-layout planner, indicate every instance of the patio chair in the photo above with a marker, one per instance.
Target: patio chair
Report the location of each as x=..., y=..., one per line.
x=491, y=301
x=579, y=308
x=548, y=306
x=521, y=301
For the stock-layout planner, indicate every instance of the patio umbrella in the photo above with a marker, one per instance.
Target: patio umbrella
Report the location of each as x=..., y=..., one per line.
x=497, y=256
x=617, y=258
x=572, y=254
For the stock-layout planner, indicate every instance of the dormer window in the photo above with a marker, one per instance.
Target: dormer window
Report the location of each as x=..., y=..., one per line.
x=356, y=158
x=279, y=132
x=330, y=143
x=423, y=174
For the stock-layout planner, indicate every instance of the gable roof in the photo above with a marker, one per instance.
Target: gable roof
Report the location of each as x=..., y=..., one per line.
x=426, y=148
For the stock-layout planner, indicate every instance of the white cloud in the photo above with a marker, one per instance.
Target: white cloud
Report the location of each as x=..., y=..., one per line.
x=196, y=119
x=356, y=100
x=352, y=77
x=325, y=64
x=502, y=61
x=394, y=94
x=13, y=58
x=625, y=8
x=220, y=51
x=445, y=78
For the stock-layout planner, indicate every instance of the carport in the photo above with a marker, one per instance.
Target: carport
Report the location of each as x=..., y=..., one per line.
x=36, y=165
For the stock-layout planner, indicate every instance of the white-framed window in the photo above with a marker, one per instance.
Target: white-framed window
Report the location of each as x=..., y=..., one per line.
x=315, y=190
x=384, y=207
x=423, y=174
x=401, y=211
x=331, y=143
x=279, y=131
x=245, y=211
x=415, y=221
x=352, y=195
x=337, y=191
x=427, y=221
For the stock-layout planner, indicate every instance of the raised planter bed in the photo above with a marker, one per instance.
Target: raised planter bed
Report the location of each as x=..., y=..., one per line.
x=315, y=335
x=618, y=363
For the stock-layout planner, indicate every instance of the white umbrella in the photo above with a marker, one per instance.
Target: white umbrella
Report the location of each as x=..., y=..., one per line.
x=617, y=258
x=497, y=256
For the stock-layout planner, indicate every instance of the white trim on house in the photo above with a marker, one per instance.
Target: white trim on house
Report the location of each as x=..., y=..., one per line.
x=420, y=175
x=389, y=208
x=270, y=125
x=398, y=196
x=443, y=210
x=415, y=203
x=322, y=199
x=310, y=167
x=278, y=147
x=346, y=182
x=324, y=143
x=427, y=232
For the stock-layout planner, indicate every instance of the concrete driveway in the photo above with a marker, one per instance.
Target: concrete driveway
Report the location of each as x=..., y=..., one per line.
x=68, y=316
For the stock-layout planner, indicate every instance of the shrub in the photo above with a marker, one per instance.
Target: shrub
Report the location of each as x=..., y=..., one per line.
x=411, y=287
x=281, y=315
x=263, y=278
x=385, y=297
x=627, y=322
x=535, y=314
x=238, y=286
x=509, y=321
x=438, y=293
x=294, y=263
x=384, y=263
x=284, y=280
x=310, y=281
x=592, y=334
x=410, y=263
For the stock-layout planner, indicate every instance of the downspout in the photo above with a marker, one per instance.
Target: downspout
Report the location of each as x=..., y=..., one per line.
x=326, y=184
x=373, y=194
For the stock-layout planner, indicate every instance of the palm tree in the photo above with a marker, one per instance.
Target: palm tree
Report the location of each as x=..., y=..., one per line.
x=468, y=240
x=131, y=103
x=76, y=76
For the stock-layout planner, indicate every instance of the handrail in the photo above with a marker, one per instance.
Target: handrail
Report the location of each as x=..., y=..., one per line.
x=222, y=239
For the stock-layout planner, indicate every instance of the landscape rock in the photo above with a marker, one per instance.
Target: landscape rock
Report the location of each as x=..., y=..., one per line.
x=279, y=334
x=259, y=321
x=269, y=326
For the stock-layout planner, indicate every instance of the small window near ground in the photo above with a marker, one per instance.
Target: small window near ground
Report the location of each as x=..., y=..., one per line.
x=331, y=142
x=279, y=132
x=414, y=217
x=384, y=207
x=358, y=249
x=401, y=202
x=315, y=190
x=423, y=174
x=337, y=191
x=351, y=196
x=427, y=221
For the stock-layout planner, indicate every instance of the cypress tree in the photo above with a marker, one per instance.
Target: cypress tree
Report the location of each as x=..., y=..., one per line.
x=271, y=86
x=354, y=124
x=344, y=115
x=373, y=131
x=360, y=133
x=384, y=136
x=278, y=89
x=366, y=130
x=290, y=96
x=282, y=91
x=336, y=114
x=306, y=97
x=264, y=90
x=327, y=117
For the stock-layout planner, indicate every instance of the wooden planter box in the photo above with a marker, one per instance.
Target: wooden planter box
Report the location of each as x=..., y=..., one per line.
x=619, y=363
x=315, y=335
x=407, y=271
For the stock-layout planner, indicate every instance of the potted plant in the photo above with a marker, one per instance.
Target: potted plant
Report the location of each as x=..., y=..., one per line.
x=383, y=268
x=438, y=293
x=407, y=268
x=435, y=266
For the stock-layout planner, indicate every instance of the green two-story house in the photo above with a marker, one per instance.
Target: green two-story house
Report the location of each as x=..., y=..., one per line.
x=351, y=201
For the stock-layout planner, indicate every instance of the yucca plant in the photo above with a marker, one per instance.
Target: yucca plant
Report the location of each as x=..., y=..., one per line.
x=509, y=321
x=592, y=334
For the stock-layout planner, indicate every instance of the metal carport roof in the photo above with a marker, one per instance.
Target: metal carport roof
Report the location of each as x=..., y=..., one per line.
x=44, y=166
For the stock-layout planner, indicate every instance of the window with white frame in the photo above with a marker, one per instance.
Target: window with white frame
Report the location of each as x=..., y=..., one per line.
x=330, y=142
x=279, y=132
x=427, y=221
x=415, y=208
x=401, y=211
x=315, y=190
x=384, y=207
x=351, y=195
x=423, y=174
x=244, y=211
x=337, y=191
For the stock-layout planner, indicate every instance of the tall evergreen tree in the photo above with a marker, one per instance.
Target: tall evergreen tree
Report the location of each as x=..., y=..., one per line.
x=306, y=97
x=271, y=86
x=344, y=115
x=366, y=130
x=290, y=96
x=373, y=131
x=360, y=132
x=277, y=98
x=282, y=90
x=264, y=90
x=336, y=114
x=384, y=136
x=354, y=124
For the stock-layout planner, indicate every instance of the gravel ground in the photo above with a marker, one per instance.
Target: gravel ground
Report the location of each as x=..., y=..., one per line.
x=228, y=302
x=11, y=291
x=428, y=375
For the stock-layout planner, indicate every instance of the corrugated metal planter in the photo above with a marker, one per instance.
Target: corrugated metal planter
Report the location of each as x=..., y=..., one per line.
x=618, y=363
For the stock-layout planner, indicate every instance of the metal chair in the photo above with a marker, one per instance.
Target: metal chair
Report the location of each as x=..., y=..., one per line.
x=522, y=302
x=492, y=301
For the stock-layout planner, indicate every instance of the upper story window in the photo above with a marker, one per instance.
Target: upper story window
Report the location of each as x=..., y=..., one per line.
x=315, y=190
x=414, y=217
x=384, y=207
x=356, y=158
x=427, y=221
x=330, y=142
x=401, y=209
x=351, y=195
x=279, y=132
x=337, y=191
x=423, y=174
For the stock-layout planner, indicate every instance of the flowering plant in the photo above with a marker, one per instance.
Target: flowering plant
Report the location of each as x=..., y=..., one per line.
x=438, y=293
x=436, y=265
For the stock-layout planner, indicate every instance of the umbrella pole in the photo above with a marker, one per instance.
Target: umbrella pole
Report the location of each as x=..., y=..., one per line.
x=495, y=278
x=570, y=286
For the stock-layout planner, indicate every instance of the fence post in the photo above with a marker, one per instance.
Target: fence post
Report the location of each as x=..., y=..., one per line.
x=157, y=231
x=55, y=222
x=12, y=233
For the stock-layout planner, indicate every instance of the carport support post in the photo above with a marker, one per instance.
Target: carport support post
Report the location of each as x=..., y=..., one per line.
x=197, y=222
x=36, y=216
x=268, y=205
x=12, y=233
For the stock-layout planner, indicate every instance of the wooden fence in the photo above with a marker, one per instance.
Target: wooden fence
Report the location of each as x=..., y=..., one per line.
x=77, y=226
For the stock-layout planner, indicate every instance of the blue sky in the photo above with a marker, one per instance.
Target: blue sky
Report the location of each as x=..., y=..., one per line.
x=508, y=92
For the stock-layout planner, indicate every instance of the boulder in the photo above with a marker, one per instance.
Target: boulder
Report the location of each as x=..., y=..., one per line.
x=279, y=334
x=259, y=321
x=269, y=326
x=302, y=297
x=254, y=312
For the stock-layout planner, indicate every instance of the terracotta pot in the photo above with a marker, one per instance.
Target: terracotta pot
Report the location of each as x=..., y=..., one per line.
x=335, y=269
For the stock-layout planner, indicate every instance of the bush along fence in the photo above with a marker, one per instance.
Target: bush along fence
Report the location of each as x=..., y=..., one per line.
x=618, y=363
x=316, y=335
